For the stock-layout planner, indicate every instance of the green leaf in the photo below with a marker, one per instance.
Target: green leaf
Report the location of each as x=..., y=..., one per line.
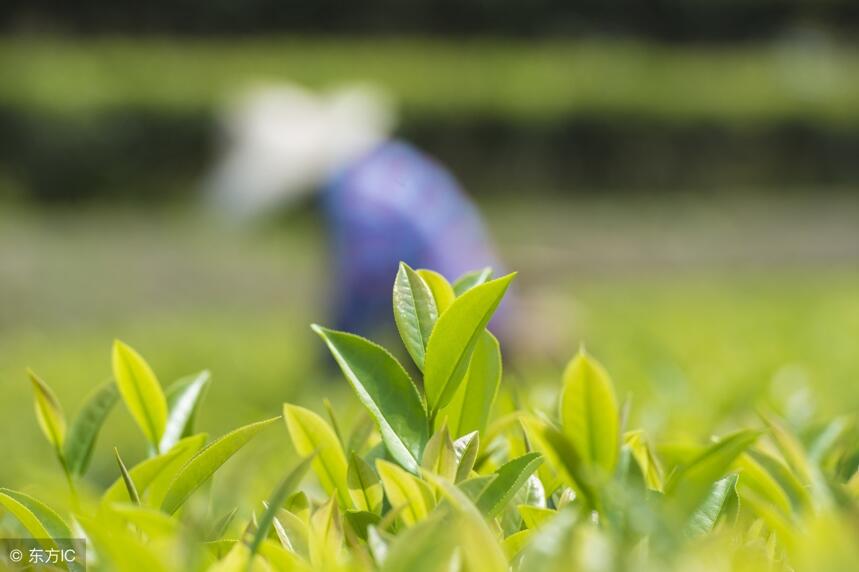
x=365, y=487
x=562, y=455
x=690, y=484
x=704, y=519
x=148, y=472
x=40, y=520
x=426, y=547
x=440, y=455
x=126, y=478
x=50, y=522
x=514, y=544
x=589, y=415
x=415, y=312
x=535, y=516
x=471, y=279
x=289, y=483
x=49, y=413
x=311, y=434
x=183, y=401
x=361, y=520
x=386, y=390
x=204, y=464
x=84, y=430
x=406, y=490
x=140, y=391
x=508, y=479
x=471, y=405
x=442, y=291
x=466, y=448
x=326, y=536
x=644, y=458
x=453, y=339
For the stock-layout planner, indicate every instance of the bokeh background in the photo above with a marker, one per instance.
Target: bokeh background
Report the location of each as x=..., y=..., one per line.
x=676, y=181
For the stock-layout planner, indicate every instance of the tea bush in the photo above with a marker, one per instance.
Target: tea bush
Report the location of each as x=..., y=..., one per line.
x=450, y=474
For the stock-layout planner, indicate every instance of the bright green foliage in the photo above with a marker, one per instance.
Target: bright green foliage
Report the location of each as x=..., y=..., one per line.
x=49, y=413
x=589, y=416
x=311, y=435
x=415, y=312
x=204, y=464
x=453, y=339
x=83, y=433
x=140, y=391
x=386, y=390
x=427, y=479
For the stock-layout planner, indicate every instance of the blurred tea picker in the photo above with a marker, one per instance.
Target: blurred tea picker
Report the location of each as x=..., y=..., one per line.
x=384, y=200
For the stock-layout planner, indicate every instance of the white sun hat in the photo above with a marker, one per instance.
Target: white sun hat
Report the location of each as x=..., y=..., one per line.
x=282, y=142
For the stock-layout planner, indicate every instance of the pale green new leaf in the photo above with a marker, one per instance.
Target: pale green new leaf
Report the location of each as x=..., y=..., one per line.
x=690, y=485
x=311, y=434
x=644, y=458
x=425, y=547
x=27, y=518
x=442, y=291
x=183, y=401
x=589, y=415
x=289, y=483
x=48, y=519
x=508, y=479
x=83, y=433
x=49, y=413
x=453, y=339
x=365, y=487
x=140, y=391
x=386, y=390
x=466, y=448
x=440, y=455
x=126, y=478
x=535, y=516
x=326, y=536
x=415, y=312
x=471, y=405
x=471, y=279
x=406, y=490
x=149, y=471
x=704, y=518
x=204, y=464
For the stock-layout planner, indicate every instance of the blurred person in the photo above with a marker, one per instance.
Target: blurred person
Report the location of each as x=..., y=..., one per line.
x=384, y=200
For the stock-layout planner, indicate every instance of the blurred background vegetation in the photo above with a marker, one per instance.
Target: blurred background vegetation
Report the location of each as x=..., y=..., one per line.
x=677, y=182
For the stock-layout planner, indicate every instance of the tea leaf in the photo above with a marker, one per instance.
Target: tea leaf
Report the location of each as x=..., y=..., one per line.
x=705, y=517
x=49, y=413
x=471, y=279
x=51, y=522
x=508, y=479
x=471, y=405
x=289, y=483
x=386, y=390
x=204, y=464
x=311, y=434
x=404, y=489
x=440, y=455
x=466, y=448
x=326, y=536
x=140, y=391
x=364, y=485
x=589, y=415
x=415, y=312
x=442, y=291
x=425, y=547
x=453, y=339
x=84, y=430
x=149, y=471
x=183, y=400
x=361, y=520
x=535, y=516
x=126, y=478
x=644, y=458
x=27, y=518
x=690, y=485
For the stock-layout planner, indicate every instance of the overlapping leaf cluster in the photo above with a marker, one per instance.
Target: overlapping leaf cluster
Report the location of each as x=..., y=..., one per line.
x=435, y=478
